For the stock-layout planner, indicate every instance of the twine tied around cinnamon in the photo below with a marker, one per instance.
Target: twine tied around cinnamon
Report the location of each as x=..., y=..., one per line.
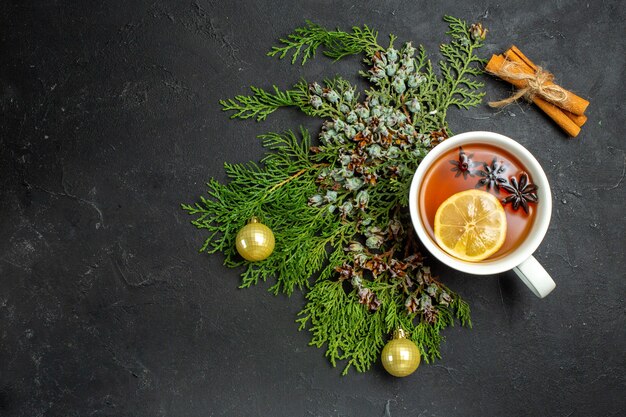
x=537, y=84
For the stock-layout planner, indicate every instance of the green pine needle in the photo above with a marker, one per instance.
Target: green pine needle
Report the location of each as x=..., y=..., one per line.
x=305, y=41
x=260, y=104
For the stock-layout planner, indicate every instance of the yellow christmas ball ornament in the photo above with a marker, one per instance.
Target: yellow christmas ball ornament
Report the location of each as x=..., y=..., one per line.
x=255, y=241
x=400, y=356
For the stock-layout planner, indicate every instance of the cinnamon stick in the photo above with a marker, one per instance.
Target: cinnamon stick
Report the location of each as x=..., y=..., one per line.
x=514, y=54
x=578, y=119
x=554, y=112
x=573, y=103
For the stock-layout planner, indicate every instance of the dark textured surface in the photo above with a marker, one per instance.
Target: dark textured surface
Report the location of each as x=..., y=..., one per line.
x=110, y=119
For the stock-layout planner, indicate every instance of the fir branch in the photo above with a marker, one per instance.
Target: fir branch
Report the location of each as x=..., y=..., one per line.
x=305, y=41
x=272, y=192
x=361, y=40
x=261, y=103
x=461, y=63
x=350, y=332
x=338, y=209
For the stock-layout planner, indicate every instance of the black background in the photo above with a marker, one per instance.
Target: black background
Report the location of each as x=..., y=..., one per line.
x=110, y=120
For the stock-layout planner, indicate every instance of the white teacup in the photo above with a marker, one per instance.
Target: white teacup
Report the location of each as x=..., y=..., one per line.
x=520, y=260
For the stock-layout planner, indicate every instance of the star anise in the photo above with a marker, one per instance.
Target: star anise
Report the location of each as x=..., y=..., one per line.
x=492, y=175
x=522, y=192
x=463, y=165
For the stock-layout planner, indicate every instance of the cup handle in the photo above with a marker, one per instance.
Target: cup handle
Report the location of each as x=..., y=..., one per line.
x=535, y=277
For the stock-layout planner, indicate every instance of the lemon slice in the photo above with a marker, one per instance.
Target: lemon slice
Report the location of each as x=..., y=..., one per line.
x=470, y=225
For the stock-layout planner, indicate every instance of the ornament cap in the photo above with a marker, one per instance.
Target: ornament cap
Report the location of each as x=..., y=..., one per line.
x=399, y=333
x=253, y=219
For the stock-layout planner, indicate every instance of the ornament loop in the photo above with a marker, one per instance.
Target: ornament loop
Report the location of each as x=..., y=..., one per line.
x=399, y=333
